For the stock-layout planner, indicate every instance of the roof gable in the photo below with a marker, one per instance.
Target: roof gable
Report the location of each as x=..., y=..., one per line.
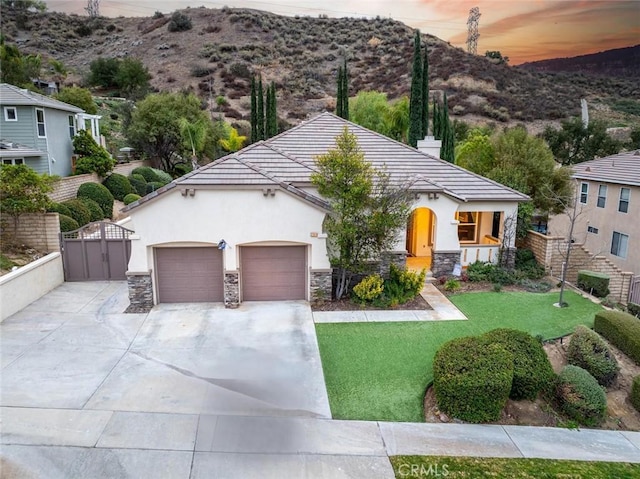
x=622, y=168
x=11, y=95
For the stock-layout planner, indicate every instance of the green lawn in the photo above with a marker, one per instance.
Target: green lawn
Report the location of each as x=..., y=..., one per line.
x=380, y=371
x=483, y=467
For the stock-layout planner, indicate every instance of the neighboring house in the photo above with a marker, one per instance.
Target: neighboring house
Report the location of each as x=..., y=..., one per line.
x=249, y=225
x=608, y=203
x=37, y=130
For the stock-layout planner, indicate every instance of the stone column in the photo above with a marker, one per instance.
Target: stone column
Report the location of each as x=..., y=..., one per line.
x=140, y=292
x=442, y=262
x=398, y=258
x=231, y=289
x=321, y=285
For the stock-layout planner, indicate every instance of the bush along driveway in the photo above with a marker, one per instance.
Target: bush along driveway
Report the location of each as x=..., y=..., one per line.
x=380, y=371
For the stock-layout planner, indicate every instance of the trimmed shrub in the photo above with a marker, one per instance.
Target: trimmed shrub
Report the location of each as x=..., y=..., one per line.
x=67, y=223
x=532, y=371
x=100, y=163
x=153, y=186
x=589, y=351
x=481, y=271
x=452, y=285
x=593, y=283
x=59, y=208
x=527, y=265
x=182, y=169
x=139, y=184
x=411, y=282
x=471, y=379
x=634, y=397
x=163, y=176
x=634, y=309
x=580, y=396
x=622, y=330
x=79, y=211
x=94, y=208
x=369, y=288
x=146, y=172
x=118, y=185
x=98, y=193
x=130, y=198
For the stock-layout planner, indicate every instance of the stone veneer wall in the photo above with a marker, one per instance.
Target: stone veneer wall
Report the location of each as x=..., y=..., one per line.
x=398, y=258
x=442, y=262
x=140, y=292
x=321, y=285
x=38, y=230
x=231, y=289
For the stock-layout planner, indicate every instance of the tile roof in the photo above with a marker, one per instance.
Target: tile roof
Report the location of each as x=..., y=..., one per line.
x=11, y=95
x=623, y=168
x=288, y=160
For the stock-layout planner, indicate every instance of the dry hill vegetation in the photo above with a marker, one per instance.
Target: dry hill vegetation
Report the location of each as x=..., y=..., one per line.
x=218, y=55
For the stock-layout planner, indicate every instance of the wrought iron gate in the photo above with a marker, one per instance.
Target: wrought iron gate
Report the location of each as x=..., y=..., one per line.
x=98, y=251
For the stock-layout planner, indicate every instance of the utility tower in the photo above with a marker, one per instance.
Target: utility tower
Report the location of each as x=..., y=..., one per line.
x=472, y=26
x=93, y=8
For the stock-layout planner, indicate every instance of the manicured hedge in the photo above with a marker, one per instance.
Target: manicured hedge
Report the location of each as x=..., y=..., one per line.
x=98, y=193
x=580, y=396
x=472, y=379
x=634, y=397
x=94, y=209
x=118, y=185
x=139, y=184
x=67, y=223
x=59, y=208
x=621, y=329
x=633, y=309
x=163, y=176
x=532, y=371
x=153, y=186
x=594, y=283
x=79, y=211
x=147, y=173
x=589, y=351
x=130, y=198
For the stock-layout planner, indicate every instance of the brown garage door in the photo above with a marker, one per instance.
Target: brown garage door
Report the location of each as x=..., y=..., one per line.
x=273, y=273
x=189, y=275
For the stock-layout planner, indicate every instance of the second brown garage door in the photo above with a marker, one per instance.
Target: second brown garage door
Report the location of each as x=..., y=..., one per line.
x=189, y=275
x=273, y=273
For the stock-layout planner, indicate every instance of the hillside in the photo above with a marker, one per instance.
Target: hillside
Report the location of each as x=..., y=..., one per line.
x=620, y=62
x=301, y=54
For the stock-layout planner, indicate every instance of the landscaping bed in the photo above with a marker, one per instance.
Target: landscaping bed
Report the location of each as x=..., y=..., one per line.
x=17, y=255
x=346, y=304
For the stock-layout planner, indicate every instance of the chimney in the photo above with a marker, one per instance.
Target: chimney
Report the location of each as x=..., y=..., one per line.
x=430, y=146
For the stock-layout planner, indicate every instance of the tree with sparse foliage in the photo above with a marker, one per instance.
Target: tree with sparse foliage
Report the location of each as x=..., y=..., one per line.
x=80, y=97
x=22, y=191
x=415, y=102
x=574, y=143
x=367, y=211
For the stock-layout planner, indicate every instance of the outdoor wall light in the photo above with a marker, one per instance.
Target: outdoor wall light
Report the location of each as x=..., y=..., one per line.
x=222, y=244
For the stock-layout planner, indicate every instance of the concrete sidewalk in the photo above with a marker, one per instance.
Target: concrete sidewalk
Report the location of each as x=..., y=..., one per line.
x=443, y=310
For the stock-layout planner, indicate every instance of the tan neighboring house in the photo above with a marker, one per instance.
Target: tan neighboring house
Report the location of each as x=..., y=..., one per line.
x=608, y=224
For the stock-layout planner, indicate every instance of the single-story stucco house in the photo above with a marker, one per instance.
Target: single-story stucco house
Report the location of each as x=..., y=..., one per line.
x=249, y=225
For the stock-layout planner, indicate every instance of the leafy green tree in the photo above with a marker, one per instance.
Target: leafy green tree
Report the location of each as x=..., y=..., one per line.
x=194, y=137
x=93, y=157
x=58, y=70
x=12, y=62
x=634, y=142
x=415, y=103
x=574, y=143
x=476, y=153
x=366, y=215
x=397, y=120
x=154, y=128
x=103, y=72
x=369, y=109
x=260, y=100
x=32, y=65
x=132, y=78
x=80, y=97
x=425, y=93
x=234, y=142
x=22, y=191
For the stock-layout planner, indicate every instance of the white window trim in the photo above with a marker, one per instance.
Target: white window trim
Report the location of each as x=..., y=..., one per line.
x=604, y=197
x=72, y=119
x=6, y=113
x=44, y=123
x=13, y=161
x=585, y=193
x=620, y=200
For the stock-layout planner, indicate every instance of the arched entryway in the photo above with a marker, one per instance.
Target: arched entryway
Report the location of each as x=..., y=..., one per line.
x=421, y=233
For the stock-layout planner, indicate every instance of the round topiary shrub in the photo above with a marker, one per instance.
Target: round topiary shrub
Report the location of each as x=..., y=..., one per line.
x=94, y=209
x=79, y=211
x=146, y=172
x=580, y=396
x=130, y=198
x=67, y=223
x=532, y=370
x=163, y=176
x=139, y=184
x=59, y=208
x=182, y=169
x=472, y=379
x=153, y=186
x=118, y=185
x=98, y=193
x=589, y=351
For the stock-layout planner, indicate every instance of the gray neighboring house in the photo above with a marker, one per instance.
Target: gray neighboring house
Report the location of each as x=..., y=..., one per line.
x=37, y=130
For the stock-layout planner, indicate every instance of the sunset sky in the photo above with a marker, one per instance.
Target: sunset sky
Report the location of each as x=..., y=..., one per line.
x=523, y=30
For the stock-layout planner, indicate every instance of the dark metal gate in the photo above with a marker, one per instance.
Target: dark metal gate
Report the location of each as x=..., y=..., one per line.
x=99, y=251
x=634, y=290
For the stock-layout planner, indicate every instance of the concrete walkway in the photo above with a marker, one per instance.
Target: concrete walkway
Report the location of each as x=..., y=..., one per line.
x=443, y=310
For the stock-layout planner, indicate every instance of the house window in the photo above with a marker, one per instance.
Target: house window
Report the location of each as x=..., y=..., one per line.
x=42, y=133
x=10, y=113
x=619, y=244
x=72, y=126
x=593, y=230
x=623, y=204
x=13, y=161
x=468, y=222
x=584, y=193
x=602, y=196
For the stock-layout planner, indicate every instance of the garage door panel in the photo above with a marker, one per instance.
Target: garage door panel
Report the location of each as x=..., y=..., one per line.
x=189, y=275
x=273, y=273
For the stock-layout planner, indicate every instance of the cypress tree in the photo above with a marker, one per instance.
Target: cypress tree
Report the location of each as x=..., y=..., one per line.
x=425, y=93
x=436, y=120
x=254, y=112
x=272, y=114
x=260, y=115
x=345, y=91
x=415, y=103
x=267, y=113
x=448, y=140
x=339, y=101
